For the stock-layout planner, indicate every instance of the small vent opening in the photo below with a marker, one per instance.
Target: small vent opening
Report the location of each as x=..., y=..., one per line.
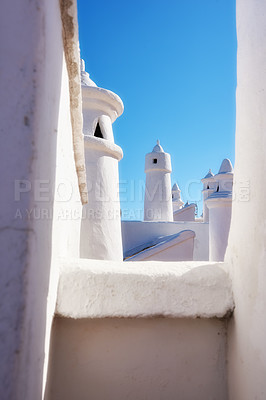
x=98, y=132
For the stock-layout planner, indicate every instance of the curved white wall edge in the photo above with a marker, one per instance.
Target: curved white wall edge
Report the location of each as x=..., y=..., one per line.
x=169, y=242
x=96, y=97
x=104, y=146
x=99, y=289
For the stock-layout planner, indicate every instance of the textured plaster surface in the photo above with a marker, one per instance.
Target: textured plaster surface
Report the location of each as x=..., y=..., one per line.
x=103, y=147
x=138, y=359
x=97, y=289
x=247, y=245
x=100, y=235
x=66, y=209
x=35, y=117
x=96, y=98
x=30, y=80
x=72, y=54
x=158, y=192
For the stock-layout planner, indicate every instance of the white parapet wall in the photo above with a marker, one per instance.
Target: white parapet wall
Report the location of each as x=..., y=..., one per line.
x=136, y=233
x=140, y=330
x=186, y=213
x=178, y=247
x=100, y=289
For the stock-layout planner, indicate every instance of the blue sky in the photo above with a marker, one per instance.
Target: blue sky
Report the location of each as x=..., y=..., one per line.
x=173, y=63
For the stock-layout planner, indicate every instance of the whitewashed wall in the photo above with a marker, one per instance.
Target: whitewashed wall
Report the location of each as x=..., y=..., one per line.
x=35, y=142
x=177, y=248
x=185, y=214
x=158, y=193
x=247, y=246
x=219, y=225
x=109, y=341
x=110, y=359
x=67, y=208
x=135, y=233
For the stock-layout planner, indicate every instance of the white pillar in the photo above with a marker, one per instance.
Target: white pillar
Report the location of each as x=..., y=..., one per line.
x=209, y=186
x=219, y=225
x=101, y=221
x=219, y=204
x=158, y=195
x=176, y=198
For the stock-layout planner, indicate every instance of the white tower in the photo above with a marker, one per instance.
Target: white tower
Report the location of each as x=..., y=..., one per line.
x=209, y=186
x=158, y=196
x=101, y=222
x=220, y=207
x=176, y=198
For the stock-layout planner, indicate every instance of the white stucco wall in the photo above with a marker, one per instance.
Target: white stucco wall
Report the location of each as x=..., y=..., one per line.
x=219, y=224
x=158, y=201
x=111, y=359
x=101, y=105
x=177, y=248
x=158, y=192
x=101, y=223
x=247, y=247
x=99, y=289
x=100, y=236
x=109, y=341
x=135, y=233
x=185, y=214
x=205, y=210
x=67, y=208
x=36, y=139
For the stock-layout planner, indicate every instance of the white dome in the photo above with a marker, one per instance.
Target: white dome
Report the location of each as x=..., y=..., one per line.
x=226, y=167
x=158, y=148
x=209, y=174
x=175, y=188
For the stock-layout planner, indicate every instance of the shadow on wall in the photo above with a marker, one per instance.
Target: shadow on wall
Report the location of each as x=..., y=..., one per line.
x=114, y=358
